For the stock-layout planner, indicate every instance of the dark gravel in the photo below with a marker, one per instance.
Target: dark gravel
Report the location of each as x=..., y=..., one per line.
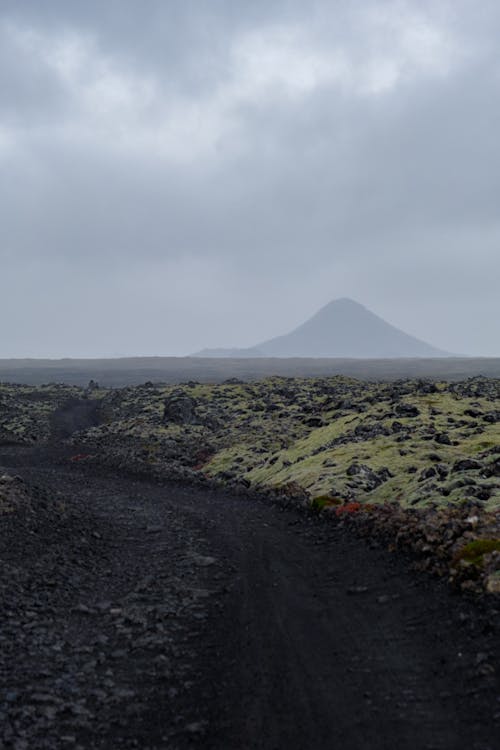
x=149, y=616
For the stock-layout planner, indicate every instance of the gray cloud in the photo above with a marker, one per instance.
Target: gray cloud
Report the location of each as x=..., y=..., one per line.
x=178, y=175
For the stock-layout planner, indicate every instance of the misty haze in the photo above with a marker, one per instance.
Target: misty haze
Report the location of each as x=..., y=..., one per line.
x=341, y=329
x=249, y=375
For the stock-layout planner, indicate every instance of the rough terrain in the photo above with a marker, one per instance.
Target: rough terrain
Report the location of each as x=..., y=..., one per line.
x=154, y=597
x=416, y=442
x=150, y=616
x=416, y=460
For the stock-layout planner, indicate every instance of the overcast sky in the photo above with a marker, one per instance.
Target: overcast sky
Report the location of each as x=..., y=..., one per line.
x=176, y=174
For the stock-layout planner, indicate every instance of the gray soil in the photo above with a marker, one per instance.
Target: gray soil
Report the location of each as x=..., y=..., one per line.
x=155, y=616
x=136, y=370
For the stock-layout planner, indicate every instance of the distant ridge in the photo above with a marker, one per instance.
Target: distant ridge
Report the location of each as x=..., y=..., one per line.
x=341, y=329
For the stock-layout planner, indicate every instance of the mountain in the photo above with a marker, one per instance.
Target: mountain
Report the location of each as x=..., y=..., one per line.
x=343, y=329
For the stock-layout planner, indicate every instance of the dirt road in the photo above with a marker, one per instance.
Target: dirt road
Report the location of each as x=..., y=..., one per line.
x=156, y=616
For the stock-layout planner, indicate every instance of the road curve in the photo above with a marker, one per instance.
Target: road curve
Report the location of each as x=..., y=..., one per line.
x=284, y=632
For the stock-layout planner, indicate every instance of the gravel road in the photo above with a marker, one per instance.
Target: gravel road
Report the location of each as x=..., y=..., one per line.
x=149, y=616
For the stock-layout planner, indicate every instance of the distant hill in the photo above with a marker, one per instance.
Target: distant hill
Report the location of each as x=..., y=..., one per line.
x=343, y=328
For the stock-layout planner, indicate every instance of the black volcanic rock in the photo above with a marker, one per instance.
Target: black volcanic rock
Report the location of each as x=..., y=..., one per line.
x=179, y=408
x=343, y=329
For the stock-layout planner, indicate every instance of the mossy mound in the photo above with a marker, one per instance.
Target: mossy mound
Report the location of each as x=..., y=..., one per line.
x=474, y=552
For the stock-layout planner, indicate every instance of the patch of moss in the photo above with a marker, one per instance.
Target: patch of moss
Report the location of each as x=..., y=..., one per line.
x=324, y=501
x=474, y=552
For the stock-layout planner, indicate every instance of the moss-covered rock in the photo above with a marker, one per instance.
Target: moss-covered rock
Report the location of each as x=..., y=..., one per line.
x=474, y=552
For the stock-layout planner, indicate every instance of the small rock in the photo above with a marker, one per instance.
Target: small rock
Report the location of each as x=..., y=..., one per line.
x=357, y=590
x=195, y=727
x=204, y=560
x=493, y=584
x=82, y=609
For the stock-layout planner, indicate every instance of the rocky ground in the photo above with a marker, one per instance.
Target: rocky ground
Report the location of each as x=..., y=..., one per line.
x=416, y=442
x=415, y=461
x=102, y=590
x=26, y=411
x=139, y=614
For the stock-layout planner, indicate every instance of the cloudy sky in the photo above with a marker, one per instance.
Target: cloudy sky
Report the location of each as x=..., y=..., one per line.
x=176, y=174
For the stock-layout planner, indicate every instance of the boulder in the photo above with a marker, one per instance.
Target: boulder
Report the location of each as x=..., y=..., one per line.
x=314, y=422
x=370, y=430
x=474, y=413
x=492, y=417
x=493, y=469
x=467, y=464
x=368, y=478
x=407, y=410
x=179, y=408
x=443, y=438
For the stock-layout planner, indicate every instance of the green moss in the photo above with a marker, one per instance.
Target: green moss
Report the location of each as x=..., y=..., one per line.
x=324, y=501
x=474, y=552
x=275, y=446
